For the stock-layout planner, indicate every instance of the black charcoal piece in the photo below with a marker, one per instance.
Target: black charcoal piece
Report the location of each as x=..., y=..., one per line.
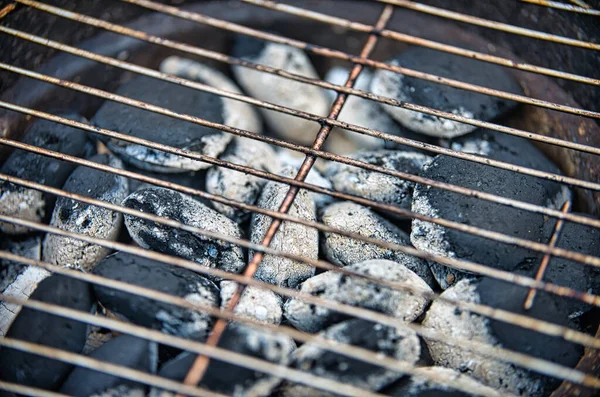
x=454, y=384
x=354, y=218
x=229, y=378
x=473, y=211
x=125, y=350
x=256, y=303
x=443, y=97
x=356, y=291
x=82, y=218
x=239, y=186
x=402, y=344
x=171, y=319
x=280, y=90
x=18, y=280
x=195, y=247
x=49, y=330
x=164, y=129
x=373, y=185
x=292, y=238
x=444, y=317
x=29, y=204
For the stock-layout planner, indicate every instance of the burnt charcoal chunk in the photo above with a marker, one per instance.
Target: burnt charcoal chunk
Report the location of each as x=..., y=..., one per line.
x=440, y=96
x=196, y=247
x=165, y=278
x=400, y=343
x=31, y=204
x=49, y=330
x=231, y=379
x=456, y=207
x=455, y=385
x=82, y=218
x=163, y=129
x=124, y=350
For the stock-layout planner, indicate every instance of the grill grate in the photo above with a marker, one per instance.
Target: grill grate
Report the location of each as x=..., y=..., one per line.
x=209, y=350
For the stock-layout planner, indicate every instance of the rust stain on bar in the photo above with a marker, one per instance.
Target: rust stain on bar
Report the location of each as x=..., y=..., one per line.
x=565, y=7
x=546, y=259
x=7, y=9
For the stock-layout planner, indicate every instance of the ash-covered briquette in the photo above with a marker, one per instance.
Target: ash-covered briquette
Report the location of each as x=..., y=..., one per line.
x=443, y=97
x=402, y=344
x=18, y=280
x=164, y=129
x=356, y=291
x=256, y=303
x=314, y=177
x=365, y=113
x=173, y=241
x=292, y=238
x=514, y=150
x=33, y=205
x=473, y=211
x=373, y=185
x=125, y=350
x=49, y=330
x=450, y=320
x=231, y=379
x=171, y=319
x=455, y=385
x=344, y=251
x=235, y=113
x=280, y=90
x=240, y=186
x=82, y=218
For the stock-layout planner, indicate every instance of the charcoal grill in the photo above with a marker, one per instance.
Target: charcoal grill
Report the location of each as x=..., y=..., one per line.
x=45, y=64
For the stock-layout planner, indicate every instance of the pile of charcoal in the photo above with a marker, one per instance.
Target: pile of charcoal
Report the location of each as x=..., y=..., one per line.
x=467, y=372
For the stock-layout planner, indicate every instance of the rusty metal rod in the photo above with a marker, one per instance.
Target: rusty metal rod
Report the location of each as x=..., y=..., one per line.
x=414, y=40
x=546, y=259
x=28, y=390
x=504, y=27
x=565, y=7
x=7, y=9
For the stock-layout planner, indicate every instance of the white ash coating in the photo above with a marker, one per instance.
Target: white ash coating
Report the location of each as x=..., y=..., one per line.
x=292, y=238
x=88, y=220
x=255, y=303
x=389, y=84
x=18, y=280
x=282, y=91
x=240, y=186
x=453, y=381
x=196, y=247
x=447, y=319
x=356, y=291
x=235, y=113
x=361, y=111
x=351, y=217
x=122, y=391
x=374, y=185
x=314, y=177
x=399, y=343
x=21, y=203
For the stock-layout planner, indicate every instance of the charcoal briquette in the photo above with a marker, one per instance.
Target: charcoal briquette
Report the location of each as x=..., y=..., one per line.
x=192, y=246
x=314, y=177
x=78, y=217
x=255, y=303
x=292, y=238
x=47, y=329
x=125, y=350
x=163, y=129
x=169, y=279
x=399, y=343
x=356, y=291
x=351, y=217
x=280, y=90
x=443, y=97
x=233, y=379
x=29, y=204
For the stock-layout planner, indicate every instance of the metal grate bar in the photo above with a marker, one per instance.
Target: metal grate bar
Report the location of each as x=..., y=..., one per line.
x=454, y=263
x=566, y=7
x=410, y=39
x=504, y=27
x=28, y=391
